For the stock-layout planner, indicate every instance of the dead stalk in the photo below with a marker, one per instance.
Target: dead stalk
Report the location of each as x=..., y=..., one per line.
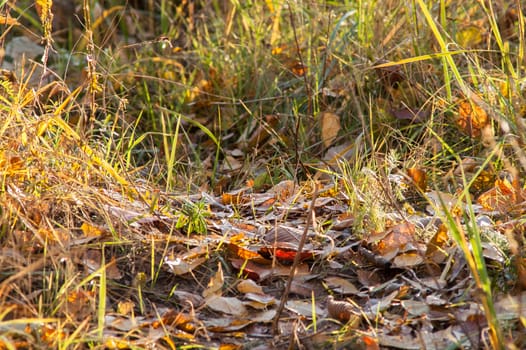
x=296, y=262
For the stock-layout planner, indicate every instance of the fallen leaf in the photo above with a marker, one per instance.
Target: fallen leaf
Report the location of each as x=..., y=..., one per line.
x=215, y=284
x=469, y=36
x=419, y=178
x=408, y=260
x=471, y=119
x=227, y=305
x=249, y=286
x=341, y=285
x=435, y=248
x=330, y=126
x=304, y=308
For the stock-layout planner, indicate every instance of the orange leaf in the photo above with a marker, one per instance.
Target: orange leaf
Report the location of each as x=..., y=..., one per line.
x=503, y=196
x=471, y=118
x=419, y=178
x=8, y=20
x=396, y=238
x=370, y=343
x=285, y=254
x=243, y=253
x=298, y=68
x=434, y=247
x=90, y=230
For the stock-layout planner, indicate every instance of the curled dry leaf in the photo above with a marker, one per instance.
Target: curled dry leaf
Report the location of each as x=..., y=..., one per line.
x=215, y=284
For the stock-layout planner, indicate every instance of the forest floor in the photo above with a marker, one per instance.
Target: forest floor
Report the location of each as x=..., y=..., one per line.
x=241, y=175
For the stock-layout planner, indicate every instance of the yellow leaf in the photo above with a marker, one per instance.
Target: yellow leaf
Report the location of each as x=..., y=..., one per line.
x=469, y=36
x=90, y=230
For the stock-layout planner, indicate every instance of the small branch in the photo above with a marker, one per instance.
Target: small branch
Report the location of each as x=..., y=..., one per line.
x=296, y=262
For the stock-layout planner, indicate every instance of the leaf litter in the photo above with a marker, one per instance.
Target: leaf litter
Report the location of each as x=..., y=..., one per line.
x=225, y=282
x=139, y=267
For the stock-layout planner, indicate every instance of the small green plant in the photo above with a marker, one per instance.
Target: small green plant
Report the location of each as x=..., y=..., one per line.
x=193, y=217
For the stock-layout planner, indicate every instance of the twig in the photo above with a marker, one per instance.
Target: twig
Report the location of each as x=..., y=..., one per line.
x=296, y=262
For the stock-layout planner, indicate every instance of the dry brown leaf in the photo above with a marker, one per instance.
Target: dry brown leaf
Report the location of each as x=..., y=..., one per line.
x=227, y=305
x=395, y=239
x=408, y=260
x=284, y=190
x=341, y=285
x=304, y=308
x=330, y=126
x=215, y=284
x=249, y=286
